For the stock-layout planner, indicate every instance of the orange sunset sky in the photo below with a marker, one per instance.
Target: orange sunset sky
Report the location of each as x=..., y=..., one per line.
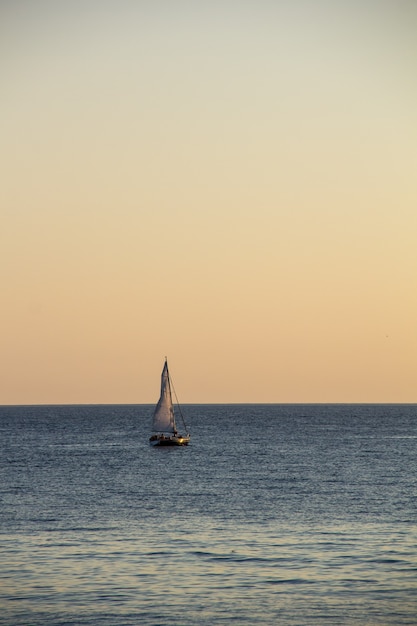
x=230, y=184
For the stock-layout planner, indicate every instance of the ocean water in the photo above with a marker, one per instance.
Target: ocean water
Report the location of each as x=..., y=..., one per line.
x=275, y=514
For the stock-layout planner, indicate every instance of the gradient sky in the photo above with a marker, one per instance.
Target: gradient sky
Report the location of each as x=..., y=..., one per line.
x=230, y=184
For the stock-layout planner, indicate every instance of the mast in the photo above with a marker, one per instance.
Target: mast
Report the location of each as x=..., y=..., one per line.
x=170, y=394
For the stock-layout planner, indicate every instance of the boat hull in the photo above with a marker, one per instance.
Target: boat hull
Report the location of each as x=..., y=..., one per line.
x=169, y=440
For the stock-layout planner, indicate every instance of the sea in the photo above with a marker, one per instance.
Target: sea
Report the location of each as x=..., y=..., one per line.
x=273, y=515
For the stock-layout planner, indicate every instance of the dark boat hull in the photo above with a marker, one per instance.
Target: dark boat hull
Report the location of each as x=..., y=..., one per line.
x=169, y=440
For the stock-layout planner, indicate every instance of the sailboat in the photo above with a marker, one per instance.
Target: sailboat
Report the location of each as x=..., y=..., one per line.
x=164, y=425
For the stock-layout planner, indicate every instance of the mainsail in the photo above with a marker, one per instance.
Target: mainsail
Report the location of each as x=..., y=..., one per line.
x=163, y=417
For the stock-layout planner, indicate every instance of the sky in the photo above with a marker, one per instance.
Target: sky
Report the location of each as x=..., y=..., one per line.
x=230, y=184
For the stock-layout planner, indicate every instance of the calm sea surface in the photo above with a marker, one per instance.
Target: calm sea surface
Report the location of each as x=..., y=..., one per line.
x=275, y=514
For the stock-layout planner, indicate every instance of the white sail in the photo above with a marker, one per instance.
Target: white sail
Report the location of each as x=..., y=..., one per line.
x=163, y=417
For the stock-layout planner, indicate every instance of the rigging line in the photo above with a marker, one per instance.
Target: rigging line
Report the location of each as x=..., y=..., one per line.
x=178, y=404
